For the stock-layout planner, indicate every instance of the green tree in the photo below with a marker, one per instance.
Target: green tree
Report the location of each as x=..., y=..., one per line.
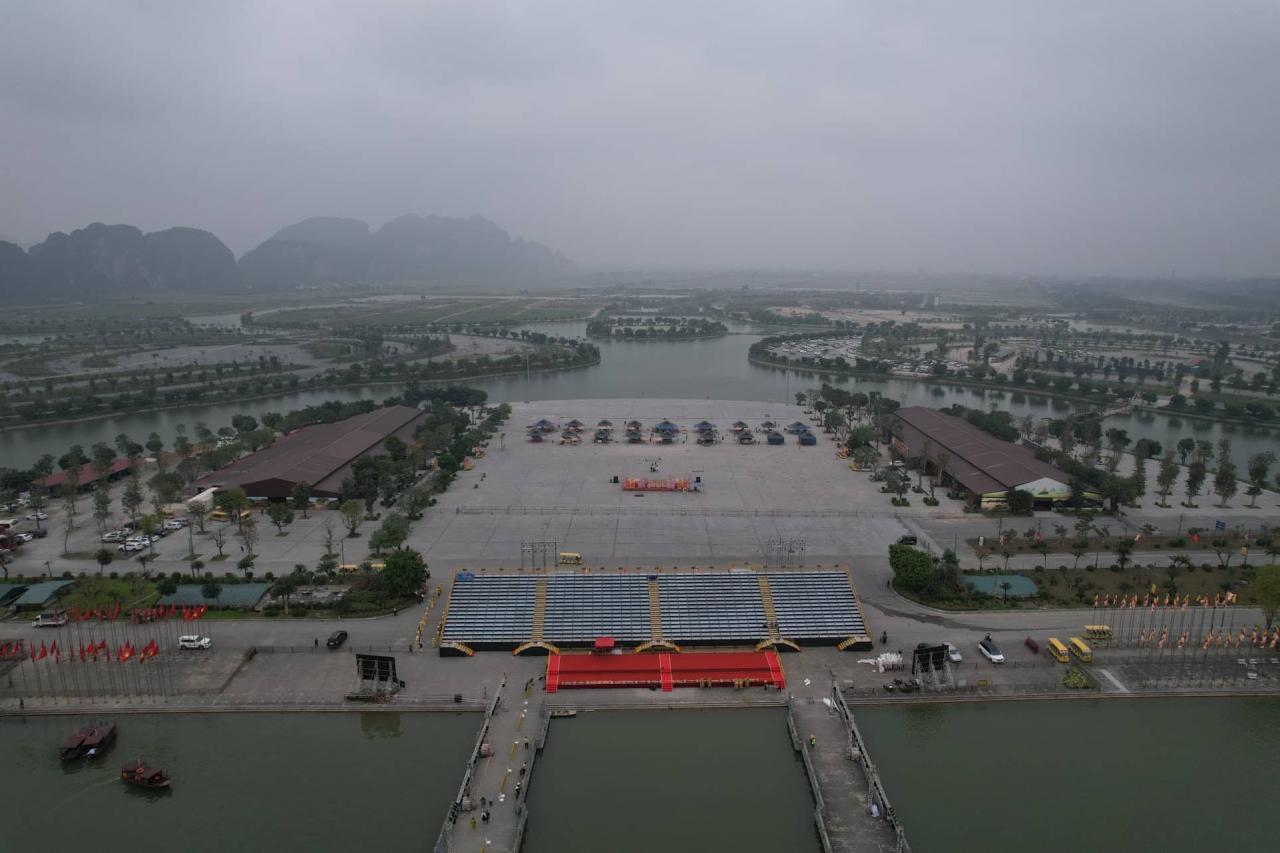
x=912, y=568
x=104, y=558
x=300, y=497
x=1020, y=502
x=286, y=586
x=1259, y=468
x=132, y=498
x=280, y=516
x=352, y=513
x=1224, y=479
x=101, y=507
x=1196, y=472
x=404, y=572
x=1265, y=591
x=1166, y=476
x=199, y=511
x=211, y=589
x=390, y=534
x=167, y=587
x=1185, y=446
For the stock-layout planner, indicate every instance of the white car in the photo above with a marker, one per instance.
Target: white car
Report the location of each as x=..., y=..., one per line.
x=38, y=516
x=990, y=650
x=194, y=641
x=175, y=524
x=953, y=654
x=23, y=537
x=131, y=546
x=114, y=536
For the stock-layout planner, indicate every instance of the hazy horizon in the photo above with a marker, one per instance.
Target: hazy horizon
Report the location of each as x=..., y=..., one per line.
x=997, y=138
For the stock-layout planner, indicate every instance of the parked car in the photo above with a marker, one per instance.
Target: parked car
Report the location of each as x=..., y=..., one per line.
x=37, y=516
x=194, y=641
x=23, y=537
x=908, y=540
x=990, y=650
x=336, y=639
x=113, y=536
x=175, y=524
x=131, y=546
x=53, y=619
x=953, y=653
x=40, y=532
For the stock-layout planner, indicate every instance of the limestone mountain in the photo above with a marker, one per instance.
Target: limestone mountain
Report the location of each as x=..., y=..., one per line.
x=111, y=260
x=409, y=249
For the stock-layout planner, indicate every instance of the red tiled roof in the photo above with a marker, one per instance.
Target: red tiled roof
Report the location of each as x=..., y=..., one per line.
x=87, y=475
x=320, y=454
x=980, y=461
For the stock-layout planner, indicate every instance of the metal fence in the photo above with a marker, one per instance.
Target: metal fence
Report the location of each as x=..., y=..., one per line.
x=693, y=511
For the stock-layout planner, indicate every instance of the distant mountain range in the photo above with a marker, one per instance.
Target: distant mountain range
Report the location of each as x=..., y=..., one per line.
x=117, y=260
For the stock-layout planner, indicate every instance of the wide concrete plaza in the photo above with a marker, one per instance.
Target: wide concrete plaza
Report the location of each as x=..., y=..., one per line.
x=749, y=494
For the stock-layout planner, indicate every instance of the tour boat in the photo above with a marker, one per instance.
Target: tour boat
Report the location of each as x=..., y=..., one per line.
x=139, y=774
x=99, y=740
x=71, y=747
x=88, y=742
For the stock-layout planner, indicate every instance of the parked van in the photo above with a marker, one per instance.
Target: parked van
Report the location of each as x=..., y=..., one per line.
x=1080, y=650
x=570, y=558
x=1058, y=650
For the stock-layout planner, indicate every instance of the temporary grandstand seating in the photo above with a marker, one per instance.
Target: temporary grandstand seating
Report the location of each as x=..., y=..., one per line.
x=710, y=608
x=583, y=607
x=491, y=611
x=815, y=605
x=500, y=611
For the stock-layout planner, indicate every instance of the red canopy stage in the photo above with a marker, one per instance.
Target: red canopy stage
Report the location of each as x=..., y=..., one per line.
x=686, y=669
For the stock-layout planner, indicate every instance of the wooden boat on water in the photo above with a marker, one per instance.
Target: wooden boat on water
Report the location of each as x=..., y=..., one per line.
x=71, y=747
x=88, y=742
x=138, y=774
x=99, y=740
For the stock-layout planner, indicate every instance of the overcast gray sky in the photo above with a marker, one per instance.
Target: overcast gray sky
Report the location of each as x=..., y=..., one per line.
x=1126, y=137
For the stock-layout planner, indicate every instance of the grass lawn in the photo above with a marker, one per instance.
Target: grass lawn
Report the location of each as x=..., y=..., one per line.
x=96, y=591
x=1074, y=588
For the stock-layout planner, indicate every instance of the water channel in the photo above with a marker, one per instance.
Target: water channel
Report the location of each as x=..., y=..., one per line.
x=639, y=781
x=714, y=368
x=1172, y=775
x=252, y=782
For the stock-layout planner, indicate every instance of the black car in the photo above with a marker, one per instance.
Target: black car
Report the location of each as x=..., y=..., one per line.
x=39, y=533
x=908, y=540
x=336, y=639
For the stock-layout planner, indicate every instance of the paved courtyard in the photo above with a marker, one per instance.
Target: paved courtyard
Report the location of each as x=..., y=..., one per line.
x=525, y=491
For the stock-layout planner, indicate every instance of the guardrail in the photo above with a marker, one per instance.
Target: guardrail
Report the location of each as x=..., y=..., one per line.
x=858, y=747
x=696, y=511
x=819, y=804
x=464, y=789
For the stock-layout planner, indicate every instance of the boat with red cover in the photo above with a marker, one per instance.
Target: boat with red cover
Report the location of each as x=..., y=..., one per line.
x=139, y=774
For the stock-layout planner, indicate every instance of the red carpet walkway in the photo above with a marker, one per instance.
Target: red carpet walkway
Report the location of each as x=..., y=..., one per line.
x=668, y=671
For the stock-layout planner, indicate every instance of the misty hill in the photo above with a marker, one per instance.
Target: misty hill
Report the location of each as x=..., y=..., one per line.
x=111, y=260
x=431, y=249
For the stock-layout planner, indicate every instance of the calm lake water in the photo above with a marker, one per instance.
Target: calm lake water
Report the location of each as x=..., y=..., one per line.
x=641, y=781
x=715, y=368
x=255, y=782
x=1167, y=775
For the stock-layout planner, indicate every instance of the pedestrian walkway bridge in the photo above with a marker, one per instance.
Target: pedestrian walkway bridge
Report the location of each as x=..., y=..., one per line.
x=543, y=612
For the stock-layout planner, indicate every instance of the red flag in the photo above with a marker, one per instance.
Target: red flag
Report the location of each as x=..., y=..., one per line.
x=44, y=652
x=55, y=651
x=1195, y=537
x=33, y=651
x=117, y=611
x=102, y=645
x=173, y=608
